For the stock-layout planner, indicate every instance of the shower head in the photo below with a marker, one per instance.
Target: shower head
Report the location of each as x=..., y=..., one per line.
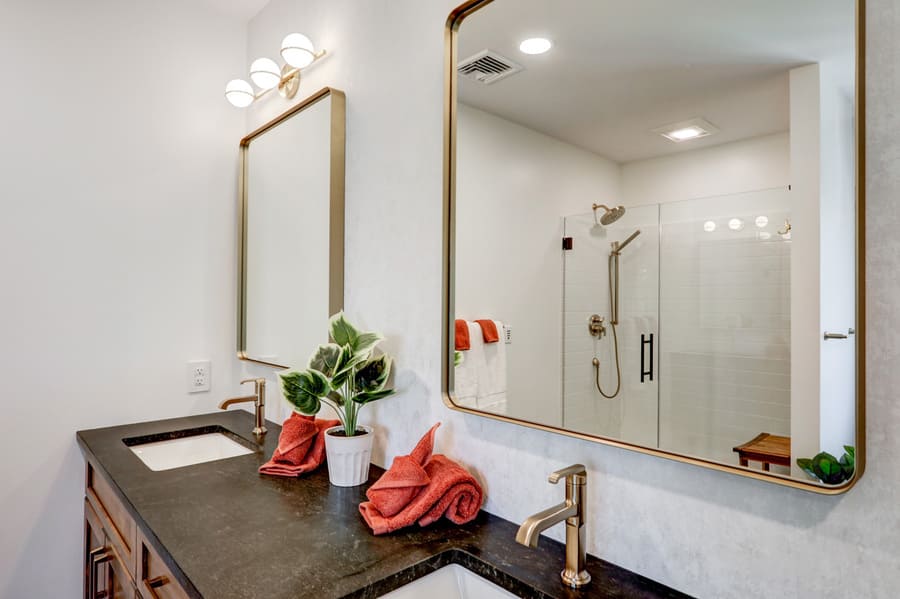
x=610, y=215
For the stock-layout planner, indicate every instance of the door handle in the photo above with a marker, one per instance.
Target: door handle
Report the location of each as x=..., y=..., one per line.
x=645, y=342
x=97, y=556
x=154, y=583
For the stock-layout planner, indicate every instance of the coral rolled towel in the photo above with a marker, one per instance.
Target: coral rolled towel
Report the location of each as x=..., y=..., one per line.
x=489, y=331
x=463, y=343
x=301, y=446
x=420, y=488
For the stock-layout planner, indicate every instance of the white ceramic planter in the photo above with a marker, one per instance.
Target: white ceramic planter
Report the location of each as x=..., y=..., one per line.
x=348, y=458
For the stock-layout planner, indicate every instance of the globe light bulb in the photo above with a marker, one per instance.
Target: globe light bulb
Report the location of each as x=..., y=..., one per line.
x=297, y=50
x=239, y=93
x=265, y=73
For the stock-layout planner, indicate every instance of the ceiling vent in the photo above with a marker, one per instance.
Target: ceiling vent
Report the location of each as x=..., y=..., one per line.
x=487, y=67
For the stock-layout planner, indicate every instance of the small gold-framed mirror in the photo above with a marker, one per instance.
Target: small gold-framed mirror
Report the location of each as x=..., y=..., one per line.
x=654, y=228
x=291, y=254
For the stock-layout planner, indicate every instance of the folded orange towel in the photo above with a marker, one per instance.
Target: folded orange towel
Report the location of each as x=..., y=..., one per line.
x=462, y=335
x=413, y=492
x=489, y=331
x=405, y=478
x=301, y=446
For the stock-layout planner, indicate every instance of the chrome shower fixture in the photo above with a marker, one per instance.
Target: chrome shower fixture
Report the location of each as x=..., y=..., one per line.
x=610, y=215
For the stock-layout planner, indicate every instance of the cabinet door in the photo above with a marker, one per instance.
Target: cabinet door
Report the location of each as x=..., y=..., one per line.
x=120, y=585
x=97, y=556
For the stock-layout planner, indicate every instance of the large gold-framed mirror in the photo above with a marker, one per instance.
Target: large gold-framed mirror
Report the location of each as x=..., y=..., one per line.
x=291, y=271
x=654, y=228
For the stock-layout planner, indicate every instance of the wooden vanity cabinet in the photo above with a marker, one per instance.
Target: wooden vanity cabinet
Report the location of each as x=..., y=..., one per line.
x=119, y=562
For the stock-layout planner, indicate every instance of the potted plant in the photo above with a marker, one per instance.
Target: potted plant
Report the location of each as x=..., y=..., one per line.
x=827, y=468
x=345, y=375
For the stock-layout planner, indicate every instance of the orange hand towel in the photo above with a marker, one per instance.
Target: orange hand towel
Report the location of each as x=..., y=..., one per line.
x=463, y=343
x=449, y=491
x=301, y=446
x=489, y=331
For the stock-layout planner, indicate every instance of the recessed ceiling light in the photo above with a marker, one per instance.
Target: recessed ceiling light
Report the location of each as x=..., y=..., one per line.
x=762, y=221
x=535, y=45
x=709, y=226
x=687, y=130
x=735, y=224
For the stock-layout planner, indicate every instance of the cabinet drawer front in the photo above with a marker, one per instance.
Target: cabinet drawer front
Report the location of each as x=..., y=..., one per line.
x=155, y=580
x=116, y=520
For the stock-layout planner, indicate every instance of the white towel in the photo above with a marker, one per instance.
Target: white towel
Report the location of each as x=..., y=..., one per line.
x=492, y=372
x=466, y=374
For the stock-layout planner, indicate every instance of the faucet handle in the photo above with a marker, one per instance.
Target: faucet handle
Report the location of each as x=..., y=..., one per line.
x=575, y=471
x=256, y=381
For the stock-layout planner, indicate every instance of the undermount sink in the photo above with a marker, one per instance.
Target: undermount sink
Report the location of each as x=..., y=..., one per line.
x=450, y=582
x=185, y=448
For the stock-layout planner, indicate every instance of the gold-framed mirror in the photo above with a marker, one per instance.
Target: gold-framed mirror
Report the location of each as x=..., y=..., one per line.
x=291, y=239
x=654, y=228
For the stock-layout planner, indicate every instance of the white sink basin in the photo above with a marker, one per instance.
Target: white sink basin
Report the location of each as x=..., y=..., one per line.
x=186, y=451
x=450, y=582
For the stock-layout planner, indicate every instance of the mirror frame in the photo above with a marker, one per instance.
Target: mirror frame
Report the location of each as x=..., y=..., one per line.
x=336, y=211
x=454, y=20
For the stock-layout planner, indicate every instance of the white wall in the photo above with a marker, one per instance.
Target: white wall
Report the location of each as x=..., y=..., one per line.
x=514, y=186
x=709, y=534
x=117, y=246
x=823, y=197
x=746, y=165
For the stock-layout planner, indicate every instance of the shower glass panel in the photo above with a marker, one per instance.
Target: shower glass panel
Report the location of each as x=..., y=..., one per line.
x=725, y=315
x=631, y=415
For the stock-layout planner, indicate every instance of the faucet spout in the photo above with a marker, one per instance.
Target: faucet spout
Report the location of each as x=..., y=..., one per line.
x=259, y=402
x=230, y=402
x=534, y=525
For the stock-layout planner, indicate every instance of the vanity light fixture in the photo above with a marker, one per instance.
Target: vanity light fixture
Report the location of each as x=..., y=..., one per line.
x=687, y=130
x=298, y=53
x=535, y=45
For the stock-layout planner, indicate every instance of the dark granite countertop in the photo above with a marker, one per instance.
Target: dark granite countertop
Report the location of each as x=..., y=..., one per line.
x=228, y=532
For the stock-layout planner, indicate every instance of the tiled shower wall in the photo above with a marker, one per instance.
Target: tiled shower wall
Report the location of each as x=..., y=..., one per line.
x=725, y=319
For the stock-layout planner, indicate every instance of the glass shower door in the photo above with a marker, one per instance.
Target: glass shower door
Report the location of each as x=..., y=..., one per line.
x=726, y=285
x=631, y=414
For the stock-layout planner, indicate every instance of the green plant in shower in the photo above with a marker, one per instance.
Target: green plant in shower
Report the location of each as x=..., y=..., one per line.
x=828, y=468
x=344, y=375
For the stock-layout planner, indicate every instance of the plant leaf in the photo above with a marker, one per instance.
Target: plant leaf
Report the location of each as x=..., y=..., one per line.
x=337, y=398
x=851, y=451
x=365, y=343
x=369, y=396
x=304, y=389
x=327, y=359
x=373, y=375
x=342, y=331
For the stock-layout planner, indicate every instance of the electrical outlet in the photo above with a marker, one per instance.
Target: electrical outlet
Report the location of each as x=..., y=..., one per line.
x=198, y=376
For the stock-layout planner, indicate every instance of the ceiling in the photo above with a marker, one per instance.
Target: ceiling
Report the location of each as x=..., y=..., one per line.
x=245, y=9
x=619, y=69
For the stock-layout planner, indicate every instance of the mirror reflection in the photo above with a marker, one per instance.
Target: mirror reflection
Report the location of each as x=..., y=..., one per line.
x=655, y=217
x=292, y=230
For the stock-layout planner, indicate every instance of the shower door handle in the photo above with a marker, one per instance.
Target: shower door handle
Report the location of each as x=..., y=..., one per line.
x=644, y=343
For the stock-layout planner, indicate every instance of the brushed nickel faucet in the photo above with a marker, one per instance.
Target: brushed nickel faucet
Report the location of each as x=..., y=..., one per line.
x=572, y=511
x=259, y=399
